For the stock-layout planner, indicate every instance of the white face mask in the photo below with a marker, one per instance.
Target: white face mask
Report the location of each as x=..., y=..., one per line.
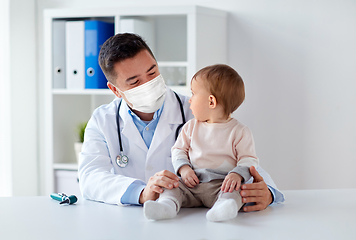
x=148, y=97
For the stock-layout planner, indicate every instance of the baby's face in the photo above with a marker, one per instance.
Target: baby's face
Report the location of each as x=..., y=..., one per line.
x=199, y=102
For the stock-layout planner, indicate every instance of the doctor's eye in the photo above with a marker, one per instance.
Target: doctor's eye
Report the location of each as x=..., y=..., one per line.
x=153, y=73
x=133, y=83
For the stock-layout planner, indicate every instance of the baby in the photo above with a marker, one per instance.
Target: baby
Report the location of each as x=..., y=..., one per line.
x=213, y=152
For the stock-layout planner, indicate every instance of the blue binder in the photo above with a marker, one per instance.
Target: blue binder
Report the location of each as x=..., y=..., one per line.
x=96, y=33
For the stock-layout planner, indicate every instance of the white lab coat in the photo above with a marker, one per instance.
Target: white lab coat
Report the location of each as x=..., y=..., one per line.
x=100, y=178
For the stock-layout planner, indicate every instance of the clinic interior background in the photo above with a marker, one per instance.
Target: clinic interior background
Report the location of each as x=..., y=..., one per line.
x=298, y=61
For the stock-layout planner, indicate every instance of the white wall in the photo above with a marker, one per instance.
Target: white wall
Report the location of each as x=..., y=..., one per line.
x=297, y=59
x=5, y=136
x=18, y=151
x=24, y=115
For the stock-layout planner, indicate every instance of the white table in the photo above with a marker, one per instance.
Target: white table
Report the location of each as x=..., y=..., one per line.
x=307, y=214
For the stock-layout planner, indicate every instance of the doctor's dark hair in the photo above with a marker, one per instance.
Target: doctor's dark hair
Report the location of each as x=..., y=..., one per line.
x=118, y=48
x=225, y=84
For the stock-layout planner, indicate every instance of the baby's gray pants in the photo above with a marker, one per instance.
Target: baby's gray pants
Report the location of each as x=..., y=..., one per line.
x=203, y=194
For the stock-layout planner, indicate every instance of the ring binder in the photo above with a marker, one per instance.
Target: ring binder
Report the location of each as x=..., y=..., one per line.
x=96, y=33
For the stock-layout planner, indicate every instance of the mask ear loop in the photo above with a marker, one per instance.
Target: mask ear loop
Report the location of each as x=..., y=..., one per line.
x=182, y=113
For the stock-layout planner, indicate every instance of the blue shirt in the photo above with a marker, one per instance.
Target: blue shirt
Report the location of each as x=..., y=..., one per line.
x=147, y=130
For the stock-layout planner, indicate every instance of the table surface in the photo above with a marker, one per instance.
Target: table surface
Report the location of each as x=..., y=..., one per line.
x=306, y=214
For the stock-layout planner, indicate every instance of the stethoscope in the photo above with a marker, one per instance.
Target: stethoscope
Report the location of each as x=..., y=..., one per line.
x=122, y=160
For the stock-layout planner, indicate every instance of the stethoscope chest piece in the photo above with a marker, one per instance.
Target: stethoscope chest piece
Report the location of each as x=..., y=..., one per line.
x=122, y=160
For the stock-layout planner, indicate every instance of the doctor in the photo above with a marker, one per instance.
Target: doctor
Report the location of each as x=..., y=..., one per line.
x=126, y=155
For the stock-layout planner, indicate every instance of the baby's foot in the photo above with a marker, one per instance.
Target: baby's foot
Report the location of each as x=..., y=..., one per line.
x=159, y=210
x=222, y=210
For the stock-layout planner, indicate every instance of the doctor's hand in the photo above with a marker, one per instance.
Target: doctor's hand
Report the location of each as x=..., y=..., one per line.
x=163, y=179
x=188, y=176
x=256, y=192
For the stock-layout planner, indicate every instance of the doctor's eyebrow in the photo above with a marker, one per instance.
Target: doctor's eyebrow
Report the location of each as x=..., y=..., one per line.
x=152, y=67
x=133, y=77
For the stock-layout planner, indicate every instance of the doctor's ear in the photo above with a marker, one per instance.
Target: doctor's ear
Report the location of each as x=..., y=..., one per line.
x=114, y=89
x=212, y=101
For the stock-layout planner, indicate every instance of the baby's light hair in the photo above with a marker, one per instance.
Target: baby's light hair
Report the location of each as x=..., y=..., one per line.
x=225, y=84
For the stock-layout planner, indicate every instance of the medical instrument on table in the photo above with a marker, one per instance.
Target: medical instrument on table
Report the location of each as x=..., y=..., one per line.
x=122, y=160
x=63, y=198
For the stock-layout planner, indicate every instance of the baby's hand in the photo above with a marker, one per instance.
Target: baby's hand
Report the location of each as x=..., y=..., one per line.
x=231, y=182
x=188, y=176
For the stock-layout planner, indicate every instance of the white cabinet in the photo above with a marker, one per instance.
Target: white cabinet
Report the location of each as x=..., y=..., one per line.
x=183, y=39
x=66, y=181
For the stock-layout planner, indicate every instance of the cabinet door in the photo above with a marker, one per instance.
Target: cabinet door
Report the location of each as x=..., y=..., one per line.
x=67, y=182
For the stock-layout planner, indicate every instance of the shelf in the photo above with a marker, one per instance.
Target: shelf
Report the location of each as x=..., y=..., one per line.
x=65, y=166
x=181, y=89
x=172, y=64
x=82, y=92
x=181, y=39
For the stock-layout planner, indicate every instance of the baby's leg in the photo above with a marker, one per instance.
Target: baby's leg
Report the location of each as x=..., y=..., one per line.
x=165, y=207
x=226, y=207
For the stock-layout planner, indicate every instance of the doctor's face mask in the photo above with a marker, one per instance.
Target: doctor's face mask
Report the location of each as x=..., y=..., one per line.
x=148, y=97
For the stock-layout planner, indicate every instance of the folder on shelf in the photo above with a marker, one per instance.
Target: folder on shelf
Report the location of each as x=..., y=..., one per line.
x=59, y=57
x=96, y=33
x=141, y=26
x=75, y=55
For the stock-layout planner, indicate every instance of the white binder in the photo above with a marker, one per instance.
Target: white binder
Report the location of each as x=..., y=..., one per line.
x=75, y=58
x=143, y=27
x=59, y=56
